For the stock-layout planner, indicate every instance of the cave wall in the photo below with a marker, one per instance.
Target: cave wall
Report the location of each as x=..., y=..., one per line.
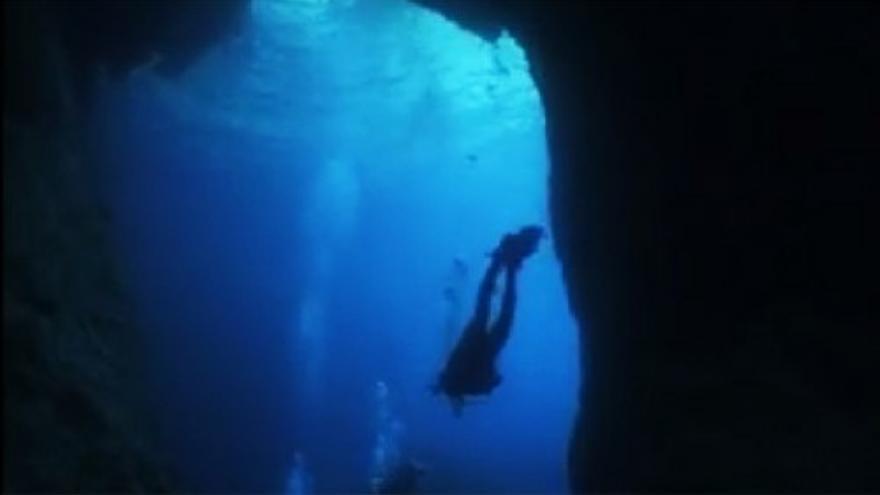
x=74, y=418
x=71, y=410
x=710, y=199
x=70, y=370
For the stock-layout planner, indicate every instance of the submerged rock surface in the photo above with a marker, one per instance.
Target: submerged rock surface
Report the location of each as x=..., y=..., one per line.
x=73, y=416
x=712, y=215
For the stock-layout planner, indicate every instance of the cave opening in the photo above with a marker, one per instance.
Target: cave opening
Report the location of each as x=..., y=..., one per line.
x=304, y=215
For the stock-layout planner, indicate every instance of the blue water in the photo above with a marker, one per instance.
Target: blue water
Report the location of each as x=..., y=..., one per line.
x=288, y=211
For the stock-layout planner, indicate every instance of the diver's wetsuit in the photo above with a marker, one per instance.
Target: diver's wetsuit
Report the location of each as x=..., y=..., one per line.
x=471, y=366
x=470, y=369
x=497, y=336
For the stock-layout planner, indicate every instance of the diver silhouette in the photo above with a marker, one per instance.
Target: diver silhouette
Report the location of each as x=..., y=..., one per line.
x=393, y=471
x=470, y=369
x=402, y=479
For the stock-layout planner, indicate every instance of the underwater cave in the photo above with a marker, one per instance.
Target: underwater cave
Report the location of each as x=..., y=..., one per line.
x=305, y=211
x=240, y=236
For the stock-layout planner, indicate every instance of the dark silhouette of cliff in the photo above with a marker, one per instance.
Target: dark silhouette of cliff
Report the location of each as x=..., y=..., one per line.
x=74, y=418
x=710, y=199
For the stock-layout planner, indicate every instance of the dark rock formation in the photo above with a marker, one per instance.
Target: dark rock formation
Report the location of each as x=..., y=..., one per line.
x=72, y=417
x=711, y=202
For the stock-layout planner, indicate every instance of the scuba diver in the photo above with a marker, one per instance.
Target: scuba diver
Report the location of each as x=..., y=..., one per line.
x=470, y=369
x=402, y=479
x=393, y=472
x=300, y=481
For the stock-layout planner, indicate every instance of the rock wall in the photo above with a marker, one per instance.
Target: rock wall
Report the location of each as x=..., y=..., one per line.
x=710, y=171
x=72, y=420
x=73, y=416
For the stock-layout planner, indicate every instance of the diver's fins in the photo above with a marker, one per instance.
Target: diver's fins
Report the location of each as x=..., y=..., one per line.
x=527, y=240
x=514, y=248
